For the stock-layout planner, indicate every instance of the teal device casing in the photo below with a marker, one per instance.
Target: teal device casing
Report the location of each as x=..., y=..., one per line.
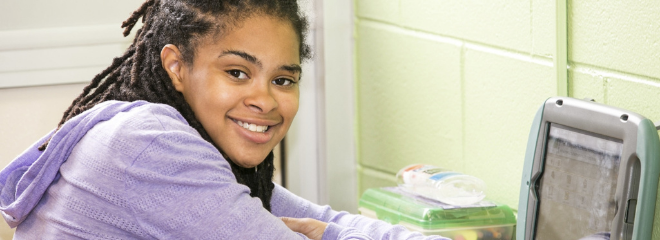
x=637, y=181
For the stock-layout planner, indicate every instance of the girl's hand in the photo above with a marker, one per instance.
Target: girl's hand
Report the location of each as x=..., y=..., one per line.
x=312, y=228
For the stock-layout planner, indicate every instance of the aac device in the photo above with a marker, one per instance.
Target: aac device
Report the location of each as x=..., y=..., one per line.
x=589, y=168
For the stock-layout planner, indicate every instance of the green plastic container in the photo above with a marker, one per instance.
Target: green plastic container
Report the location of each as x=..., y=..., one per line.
x=484, y=221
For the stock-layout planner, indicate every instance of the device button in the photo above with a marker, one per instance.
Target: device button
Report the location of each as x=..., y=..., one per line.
x=630, y=210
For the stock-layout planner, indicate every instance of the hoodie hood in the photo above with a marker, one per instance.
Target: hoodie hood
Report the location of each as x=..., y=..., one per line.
x=25, y=180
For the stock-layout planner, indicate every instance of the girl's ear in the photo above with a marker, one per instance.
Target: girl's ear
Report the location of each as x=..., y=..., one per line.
x=172, y=62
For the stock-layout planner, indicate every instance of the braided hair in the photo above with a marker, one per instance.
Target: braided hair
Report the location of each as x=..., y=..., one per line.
x=138, y=73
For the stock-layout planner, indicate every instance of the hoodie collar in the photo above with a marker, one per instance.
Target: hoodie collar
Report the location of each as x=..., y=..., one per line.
x=25, y=180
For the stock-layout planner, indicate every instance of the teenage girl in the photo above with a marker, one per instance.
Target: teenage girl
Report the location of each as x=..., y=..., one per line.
x=174, y=140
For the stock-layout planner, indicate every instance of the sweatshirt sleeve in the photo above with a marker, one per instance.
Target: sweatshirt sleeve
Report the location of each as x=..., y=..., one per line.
x=342, y=225
x=180, y=187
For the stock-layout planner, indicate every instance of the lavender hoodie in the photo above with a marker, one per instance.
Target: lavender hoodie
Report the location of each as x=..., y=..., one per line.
x=139, y=171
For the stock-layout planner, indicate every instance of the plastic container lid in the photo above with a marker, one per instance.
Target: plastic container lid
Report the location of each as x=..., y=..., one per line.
x=394, y=206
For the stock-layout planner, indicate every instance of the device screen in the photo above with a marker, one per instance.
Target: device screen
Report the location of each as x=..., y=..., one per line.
x=576, y=190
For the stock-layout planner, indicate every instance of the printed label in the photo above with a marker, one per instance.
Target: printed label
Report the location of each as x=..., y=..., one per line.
x=443, y=175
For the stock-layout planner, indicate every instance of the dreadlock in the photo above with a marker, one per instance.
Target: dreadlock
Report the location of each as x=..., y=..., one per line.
x=139, y=75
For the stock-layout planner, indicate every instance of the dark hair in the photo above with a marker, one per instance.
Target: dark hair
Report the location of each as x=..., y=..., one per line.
x=139, y=75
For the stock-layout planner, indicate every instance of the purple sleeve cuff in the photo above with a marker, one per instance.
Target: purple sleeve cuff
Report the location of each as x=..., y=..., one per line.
x=332, y=231
x=336, y=232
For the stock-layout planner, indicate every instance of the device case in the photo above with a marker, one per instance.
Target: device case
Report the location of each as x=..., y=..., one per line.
x=639, y=167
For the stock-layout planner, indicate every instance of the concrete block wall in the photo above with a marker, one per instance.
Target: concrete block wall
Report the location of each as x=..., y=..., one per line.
x=457, y=83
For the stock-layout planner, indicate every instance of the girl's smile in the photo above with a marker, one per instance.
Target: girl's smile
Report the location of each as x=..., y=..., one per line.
x=256, y=130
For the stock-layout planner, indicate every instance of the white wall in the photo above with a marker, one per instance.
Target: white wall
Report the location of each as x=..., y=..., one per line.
x=56, y=42
x=340, y=134
x=321, y=156
x=303, y=145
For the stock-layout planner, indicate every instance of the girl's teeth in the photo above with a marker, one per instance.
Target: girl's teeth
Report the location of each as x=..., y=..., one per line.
x=252, y=127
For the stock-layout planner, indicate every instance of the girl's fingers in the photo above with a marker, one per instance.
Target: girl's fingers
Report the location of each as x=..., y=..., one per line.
x=311, y=228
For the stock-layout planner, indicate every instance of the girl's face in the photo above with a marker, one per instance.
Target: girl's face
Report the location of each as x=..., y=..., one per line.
x=242, y=86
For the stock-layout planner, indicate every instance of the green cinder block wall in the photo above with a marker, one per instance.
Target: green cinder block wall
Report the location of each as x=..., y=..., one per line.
x=457, y=83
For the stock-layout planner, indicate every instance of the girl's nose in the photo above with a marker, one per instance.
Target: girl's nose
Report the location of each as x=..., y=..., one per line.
x=261, y=99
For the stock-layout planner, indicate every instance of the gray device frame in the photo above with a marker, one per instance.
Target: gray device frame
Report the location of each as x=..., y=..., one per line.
x=601, y=120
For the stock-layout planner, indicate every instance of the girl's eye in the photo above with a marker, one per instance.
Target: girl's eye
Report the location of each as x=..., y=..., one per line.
x=283, y=82
x=237, y=74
